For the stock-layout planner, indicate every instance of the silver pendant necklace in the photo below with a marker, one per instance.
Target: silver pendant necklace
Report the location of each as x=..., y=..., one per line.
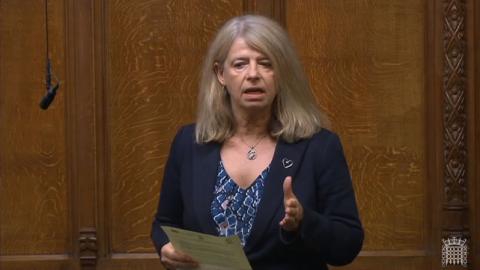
x=252, y=152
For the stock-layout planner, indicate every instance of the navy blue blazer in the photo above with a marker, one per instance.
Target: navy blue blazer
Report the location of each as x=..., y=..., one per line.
x=330, y=233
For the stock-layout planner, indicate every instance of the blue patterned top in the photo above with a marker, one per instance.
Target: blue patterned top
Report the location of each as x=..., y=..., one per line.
x=234, y=208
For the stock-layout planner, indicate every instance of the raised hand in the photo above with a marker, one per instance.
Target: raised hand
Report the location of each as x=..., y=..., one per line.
x=293, y=208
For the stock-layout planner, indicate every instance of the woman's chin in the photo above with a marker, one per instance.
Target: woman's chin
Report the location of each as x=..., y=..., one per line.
x=256, y=106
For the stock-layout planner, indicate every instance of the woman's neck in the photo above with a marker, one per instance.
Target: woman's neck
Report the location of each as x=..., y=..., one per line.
x=252, y=125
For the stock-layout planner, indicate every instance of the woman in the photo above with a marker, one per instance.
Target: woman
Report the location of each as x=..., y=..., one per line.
x=258, y=163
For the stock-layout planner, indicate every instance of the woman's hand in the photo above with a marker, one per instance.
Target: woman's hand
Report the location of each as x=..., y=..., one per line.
x=173, y=259
x=293, y=208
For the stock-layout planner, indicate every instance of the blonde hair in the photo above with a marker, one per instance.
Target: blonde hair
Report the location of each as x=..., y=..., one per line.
x=294, y=113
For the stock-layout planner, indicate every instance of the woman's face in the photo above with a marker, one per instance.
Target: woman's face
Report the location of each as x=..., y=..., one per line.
x=249, y=78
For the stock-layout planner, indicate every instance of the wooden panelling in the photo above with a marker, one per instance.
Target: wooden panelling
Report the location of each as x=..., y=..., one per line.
x=433, y=81
x=82, y=129
x=473, y=127
x=274, y=9
x=79, y=183
x=365, y=60
x=155, y=51
x=139, y=263
x=34, y=205
x=454, y=199
x=47, y=263
x=391, y=263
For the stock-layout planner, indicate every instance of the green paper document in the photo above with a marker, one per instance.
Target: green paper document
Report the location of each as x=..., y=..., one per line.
x=212, y=252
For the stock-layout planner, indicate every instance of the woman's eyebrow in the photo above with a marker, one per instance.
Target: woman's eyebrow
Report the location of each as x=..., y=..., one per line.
x=240, y=58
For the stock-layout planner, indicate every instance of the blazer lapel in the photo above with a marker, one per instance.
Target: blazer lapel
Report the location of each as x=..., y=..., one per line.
x=205, y=166
x=286, y=161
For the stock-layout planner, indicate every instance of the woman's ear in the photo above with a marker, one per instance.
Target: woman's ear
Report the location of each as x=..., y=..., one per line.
x=218, y=69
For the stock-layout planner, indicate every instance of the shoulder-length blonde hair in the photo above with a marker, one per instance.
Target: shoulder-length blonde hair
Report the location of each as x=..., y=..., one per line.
x=294, y=113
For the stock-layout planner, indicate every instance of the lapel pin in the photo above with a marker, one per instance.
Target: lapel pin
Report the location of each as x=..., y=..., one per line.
x=287, y=163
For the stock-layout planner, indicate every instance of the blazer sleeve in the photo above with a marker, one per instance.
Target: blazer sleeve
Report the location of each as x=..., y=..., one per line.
x=170, y=205
x=333, y=231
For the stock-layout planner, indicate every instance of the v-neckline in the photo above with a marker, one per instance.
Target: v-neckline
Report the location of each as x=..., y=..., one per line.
x=235, y=182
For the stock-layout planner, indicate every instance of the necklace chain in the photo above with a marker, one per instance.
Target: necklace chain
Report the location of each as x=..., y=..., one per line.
x=252, y=152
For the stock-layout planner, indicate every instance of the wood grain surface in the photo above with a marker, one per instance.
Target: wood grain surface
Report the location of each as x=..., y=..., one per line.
x=33, y=184
x=156, y=50
x=365, y=60
x=83, y=177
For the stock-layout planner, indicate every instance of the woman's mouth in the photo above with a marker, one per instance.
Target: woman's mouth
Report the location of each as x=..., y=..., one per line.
x=254, y=90
x=254, y=94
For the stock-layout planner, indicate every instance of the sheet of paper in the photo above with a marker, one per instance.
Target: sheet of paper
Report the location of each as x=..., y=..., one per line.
x=212, y=252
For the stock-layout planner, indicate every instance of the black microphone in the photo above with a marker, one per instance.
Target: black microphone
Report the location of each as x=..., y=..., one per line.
x=51, y=90
x=48, y=98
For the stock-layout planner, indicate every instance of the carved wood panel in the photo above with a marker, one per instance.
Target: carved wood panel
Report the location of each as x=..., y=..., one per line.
x=455, y=199
x=454, y=91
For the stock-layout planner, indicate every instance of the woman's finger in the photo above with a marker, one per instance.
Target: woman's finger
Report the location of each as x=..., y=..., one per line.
x=173, y=264
x=173, y=259
x=180, y=256
x=291, y=203
x=291, y=212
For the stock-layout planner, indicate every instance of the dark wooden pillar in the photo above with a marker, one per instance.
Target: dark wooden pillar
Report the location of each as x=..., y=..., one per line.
x=455, y=206
x=81, y=129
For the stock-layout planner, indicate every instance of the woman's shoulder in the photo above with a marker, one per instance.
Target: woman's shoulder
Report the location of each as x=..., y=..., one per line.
x=188, y=128
x=324, y=136
x=185, y=132
x=182, y=141
x=184, y=137
x=325, y=141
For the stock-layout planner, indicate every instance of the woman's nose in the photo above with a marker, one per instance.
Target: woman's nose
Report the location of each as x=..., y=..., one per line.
x=252, y=72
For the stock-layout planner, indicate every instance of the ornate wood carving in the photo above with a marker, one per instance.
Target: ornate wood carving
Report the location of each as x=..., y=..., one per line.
x=454, y=115
x=455, y=121
x=88, y=247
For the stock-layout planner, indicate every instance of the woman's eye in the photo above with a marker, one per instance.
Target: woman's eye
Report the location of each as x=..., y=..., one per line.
x=238, y=65
x=266, y=65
